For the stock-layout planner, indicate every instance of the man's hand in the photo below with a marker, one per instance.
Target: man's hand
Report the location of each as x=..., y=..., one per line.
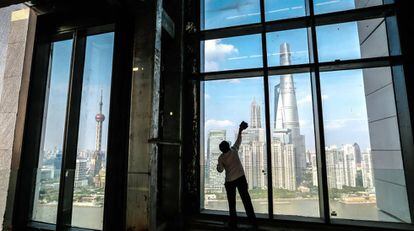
x=243, y=126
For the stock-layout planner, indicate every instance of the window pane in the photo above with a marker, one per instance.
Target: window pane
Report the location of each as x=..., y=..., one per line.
x=293, y=44
x=327, y=6
x=294, y=168
x=227, y=103
x=352, y=40
x=232, y=53
x=88, y=197
x=363, y=154
x=50, y=153
x=282, y=9
x=225, y=13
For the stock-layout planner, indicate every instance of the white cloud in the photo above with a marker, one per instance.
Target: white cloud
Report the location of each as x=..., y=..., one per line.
x=234, y=81
x=215, y=52
x=355, y=123
x=207, y=96
x=308, y=100
x=219, y=123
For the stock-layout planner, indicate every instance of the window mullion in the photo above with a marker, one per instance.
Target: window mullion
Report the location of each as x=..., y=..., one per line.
x=267, y=111
x=64, y=216
x=318, y=120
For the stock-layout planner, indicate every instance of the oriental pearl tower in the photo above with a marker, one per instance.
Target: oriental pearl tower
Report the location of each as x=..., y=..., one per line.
x=100, y=118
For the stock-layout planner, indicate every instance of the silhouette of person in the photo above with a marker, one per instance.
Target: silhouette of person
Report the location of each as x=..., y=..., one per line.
x=235, y=178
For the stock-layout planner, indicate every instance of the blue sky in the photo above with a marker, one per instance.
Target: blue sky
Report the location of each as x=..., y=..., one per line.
x=224, y=13
x=227, y=102
x=97, y=77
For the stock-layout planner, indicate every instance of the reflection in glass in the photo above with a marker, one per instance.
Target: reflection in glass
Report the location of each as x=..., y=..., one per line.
x=294, y=166
x=352, y=40
x=232, y=53
x=50, y=153
x=328, y=6
x=282, y=9
x=293, y=43
x=227, y=103
x=88, y=196
x=225, y=13
x=363, y=153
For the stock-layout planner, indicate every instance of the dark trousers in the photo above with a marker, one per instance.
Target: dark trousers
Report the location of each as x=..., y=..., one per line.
x=241, y=184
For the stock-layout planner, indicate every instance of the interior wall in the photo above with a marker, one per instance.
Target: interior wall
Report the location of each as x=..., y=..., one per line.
x=20, y=39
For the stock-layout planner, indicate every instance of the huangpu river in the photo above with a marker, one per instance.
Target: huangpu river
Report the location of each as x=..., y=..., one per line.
x=82, y=216
x=309, y=208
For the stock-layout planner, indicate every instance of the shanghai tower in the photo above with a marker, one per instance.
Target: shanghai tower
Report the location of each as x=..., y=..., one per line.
x=286, y=110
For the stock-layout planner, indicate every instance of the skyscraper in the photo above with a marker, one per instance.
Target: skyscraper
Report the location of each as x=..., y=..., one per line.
x=252, y=149
x=367, y=171
x=287, y=117
x=335, y=167
x=215, y=180
x=350, y=171
x=255, y=119
x=283, y=162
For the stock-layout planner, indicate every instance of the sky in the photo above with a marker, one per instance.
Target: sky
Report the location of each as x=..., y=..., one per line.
x=227, y=54
x=97, y=78
x=227, y=102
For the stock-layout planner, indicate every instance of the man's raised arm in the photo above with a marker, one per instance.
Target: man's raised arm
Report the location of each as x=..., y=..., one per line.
x=242, y=126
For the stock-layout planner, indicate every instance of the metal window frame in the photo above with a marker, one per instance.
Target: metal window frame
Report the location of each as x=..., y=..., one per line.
x=49, y=31
x=314, y=67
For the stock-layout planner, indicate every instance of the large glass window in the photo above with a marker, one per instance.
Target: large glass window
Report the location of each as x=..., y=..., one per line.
x=90, y=174
x=244, y=97
x=363, y=155
x=232, y=53
x=282, y=9
x=225, y=13
x=329, y=6
x=71, y=172
x=352, y=40
x=50, y=153
x=330, y=109
x=287, y=47
x=294, y=168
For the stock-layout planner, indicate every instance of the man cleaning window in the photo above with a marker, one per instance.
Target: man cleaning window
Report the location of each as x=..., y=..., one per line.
x=235, y=178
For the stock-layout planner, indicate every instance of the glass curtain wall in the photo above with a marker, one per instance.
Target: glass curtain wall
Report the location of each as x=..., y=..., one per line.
x=271, y=73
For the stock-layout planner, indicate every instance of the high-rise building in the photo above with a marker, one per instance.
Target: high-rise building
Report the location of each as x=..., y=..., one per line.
x=358, y=156
x=81, y=172
x=215, y=180
x=283, y=164
x=367, y=173
x=286, y=118
x=335, y=167
x=255, y=115
x=314, y=166
x=350, y=171
x=252, y=149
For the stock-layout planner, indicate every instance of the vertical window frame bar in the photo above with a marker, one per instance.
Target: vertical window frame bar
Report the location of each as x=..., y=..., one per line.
x=267, y=110
x=70, y=144
x=318, y=121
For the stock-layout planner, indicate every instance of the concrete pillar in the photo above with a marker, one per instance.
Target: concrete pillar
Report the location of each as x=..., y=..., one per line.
x=12, y=105
x=142, y=160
